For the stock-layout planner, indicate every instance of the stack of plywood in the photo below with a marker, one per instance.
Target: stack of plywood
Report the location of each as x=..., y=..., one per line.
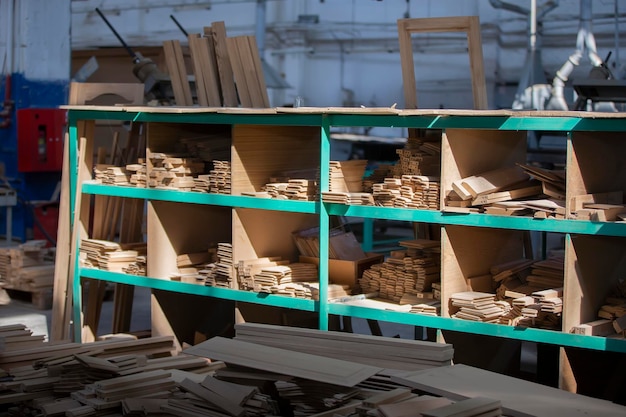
x=350, y=199
x=378, y=175
x=16, y=337
x=385, y=193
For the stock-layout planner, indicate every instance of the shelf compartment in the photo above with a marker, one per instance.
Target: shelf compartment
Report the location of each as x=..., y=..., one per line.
x=595, y=165
x=262, y=152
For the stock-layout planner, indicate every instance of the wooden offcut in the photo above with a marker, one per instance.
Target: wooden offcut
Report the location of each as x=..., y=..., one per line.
x=178, y=74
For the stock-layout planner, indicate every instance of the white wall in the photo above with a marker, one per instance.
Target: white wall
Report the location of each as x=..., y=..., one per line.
x=35, y=38
x=351, y=55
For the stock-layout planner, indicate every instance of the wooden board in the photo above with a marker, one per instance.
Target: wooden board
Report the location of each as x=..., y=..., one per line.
x=317, y=368
x=459, y=382
x=217, y=31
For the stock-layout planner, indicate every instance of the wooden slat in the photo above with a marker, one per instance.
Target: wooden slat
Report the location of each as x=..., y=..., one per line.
x=196, y=60
x=255, y=58
x=317, y=368
x=205, y=70
x=217, y=31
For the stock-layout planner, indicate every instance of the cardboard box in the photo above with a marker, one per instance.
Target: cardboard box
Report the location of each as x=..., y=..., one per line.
x=345, y=272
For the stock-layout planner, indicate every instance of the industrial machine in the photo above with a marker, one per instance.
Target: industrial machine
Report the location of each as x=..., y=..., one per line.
x=157, y=85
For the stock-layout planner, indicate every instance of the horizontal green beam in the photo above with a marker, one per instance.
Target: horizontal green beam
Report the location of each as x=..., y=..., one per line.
x=193, y=197
x=196, y=289
x=480, y=219
x=487, y=329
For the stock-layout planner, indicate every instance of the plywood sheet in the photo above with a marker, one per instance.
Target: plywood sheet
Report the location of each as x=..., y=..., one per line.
x=460, y=382
x=283, y=361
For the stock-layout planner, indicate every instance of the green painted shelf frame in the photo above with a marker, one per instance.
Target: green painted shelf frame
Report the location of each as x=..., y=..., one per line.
x=566, y=122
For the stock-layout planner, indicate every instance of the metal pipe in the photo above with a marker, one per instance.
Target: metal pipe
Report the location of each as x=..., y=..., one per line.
x=533, y=25
x=260, y=26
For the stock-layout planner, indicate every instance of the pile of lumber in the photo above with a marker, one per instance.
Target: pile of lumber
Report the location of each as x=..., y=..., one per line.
x=27, y=267
x=301, y=189
x=220, y=273
x=111, y=175
x=419, y=156
x=269, y=370
x=138, y=174
x=219, y=178
x=346, y=176
x=599, y=207
x=611, y=319
x=111, y=256
x=411, y=271
x=476, y=306
x=173, y=171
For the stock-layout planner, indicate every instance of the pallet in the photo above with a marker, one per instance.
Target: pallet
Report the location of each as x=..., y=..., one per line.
x=41, y=299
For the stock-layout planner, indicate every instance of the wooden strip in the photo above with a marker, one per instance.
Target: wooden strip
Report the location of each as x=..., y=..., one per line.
x=213, y=398
x=217, y=31
x=302, y=365
x=249, y=72
x=475, y=50
x=209, y=72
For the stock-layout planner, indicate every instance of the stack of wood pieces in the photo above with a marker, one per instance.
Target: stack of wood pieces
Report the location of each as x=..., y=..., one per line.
x=599, y=207
x=273, y=190
x=378, y=175
x=350, y=199
x=138, y=174
x=110, y=256
x=138, y=267
x=391, y=353
x=476, y=306
x=189, y=265
x=301, y=189
x=14, y=337
x=418, y=192
x=552, y=181
x=346, y=176
x=420, y=156
x=385, y=193
x=27, y=267
x=111, y=175
x=219, y=177
x=173, y=171
x=222, y=272
x=405, y=273
x=611, y=319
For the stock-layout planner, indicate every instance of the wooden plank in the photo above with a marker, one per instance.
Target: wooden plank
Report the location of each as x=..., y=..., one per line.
x=178, y=74
x=62, y=290
x=196, y=60
x=210, y=72
x=217, y=32
x=234, y=54
x=302, y=365
x=459, y=382
x=255, y=58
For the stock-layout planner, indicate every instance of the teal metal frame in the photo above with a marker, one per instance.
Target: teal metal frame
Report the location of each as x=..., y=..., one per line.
x=327, y=120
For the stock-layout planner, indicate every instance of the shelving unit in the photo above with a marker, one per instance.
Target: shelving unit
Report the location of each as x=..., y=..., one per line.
x=267, y=141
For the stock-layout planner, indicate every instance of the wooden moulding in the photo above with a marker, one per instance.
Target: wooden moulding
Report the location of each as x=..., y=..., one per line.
x=468, y=24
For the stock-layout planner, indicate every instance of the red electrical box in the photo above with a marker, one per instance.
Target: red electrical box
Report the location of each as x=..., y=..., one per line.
x=40, y=137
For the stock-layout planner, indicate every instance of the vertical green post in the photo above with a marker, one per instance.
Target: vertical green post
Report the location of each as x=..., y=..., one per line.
x=324, y=223
x=73, y=161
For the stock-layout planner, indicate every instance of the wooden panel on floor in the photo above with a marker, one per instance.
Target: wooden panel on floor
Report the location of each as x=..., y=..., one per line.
x=459, y=382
